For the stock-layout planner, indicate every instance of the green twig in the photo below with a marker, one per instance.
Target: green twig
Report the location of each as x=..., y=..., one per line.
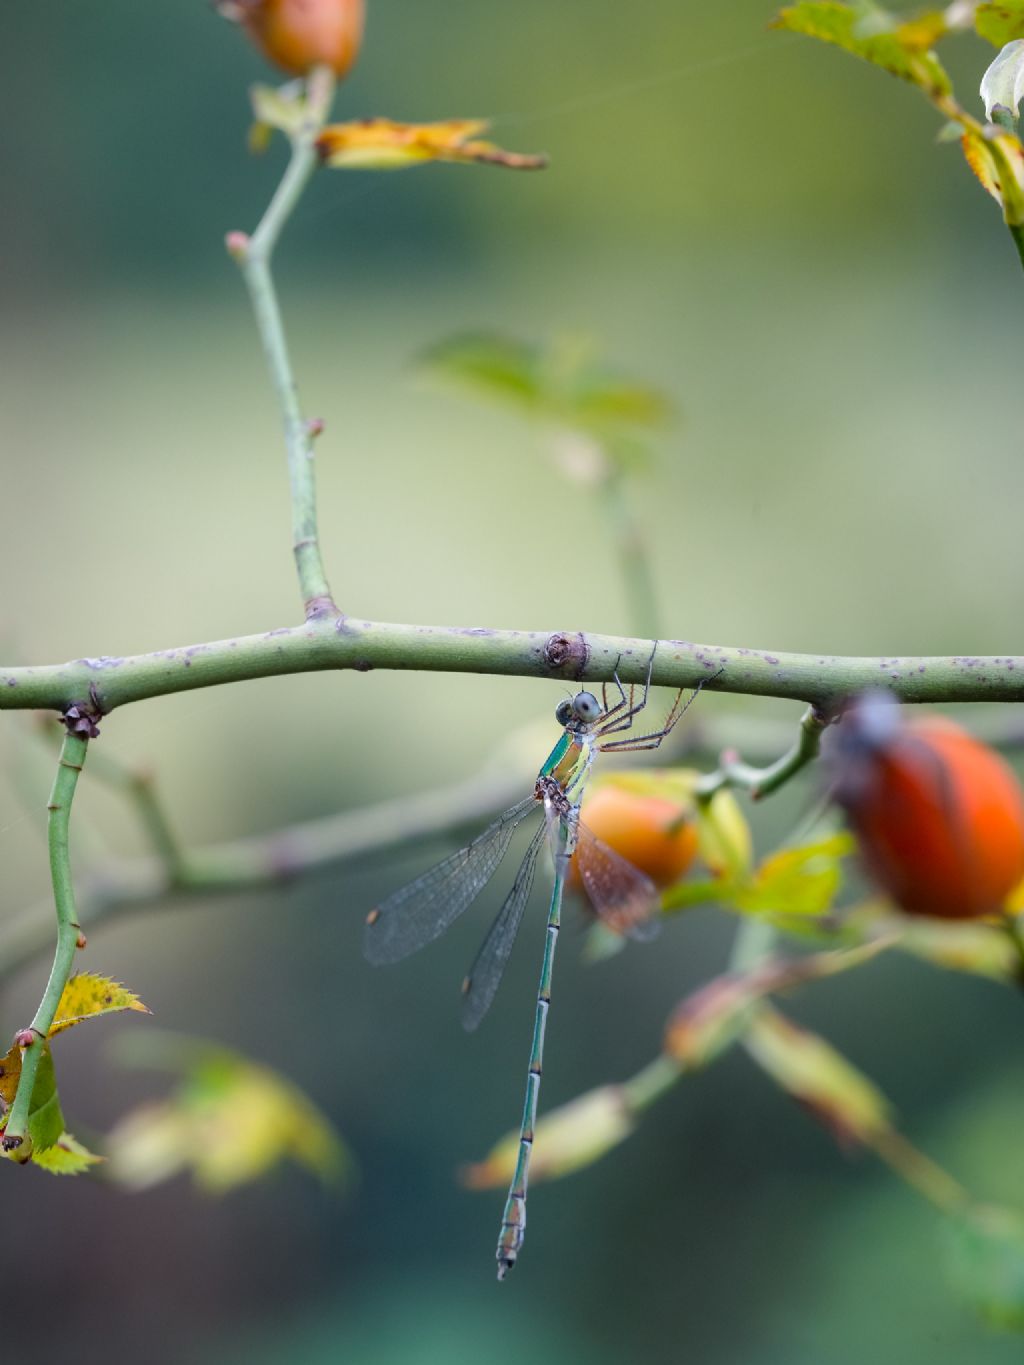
x=254, y=255
x=69, y=765
x=347, y=643
x=139, y=789
x=763, y=781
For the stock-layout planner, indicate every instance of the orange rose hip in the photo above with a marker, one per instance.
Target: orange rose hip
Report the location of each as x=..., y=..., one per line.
x=648, y=831
x=299, y=34
x=939, y=816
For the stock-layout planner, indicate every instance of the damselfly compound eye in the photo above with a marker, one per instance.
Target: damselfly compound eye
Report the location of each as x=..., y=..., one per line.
x=586, y=706
x=563, y=712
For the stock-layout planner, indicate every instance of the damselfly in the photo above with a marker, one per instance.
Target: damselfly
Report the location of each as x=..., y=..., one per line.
x=623, y=897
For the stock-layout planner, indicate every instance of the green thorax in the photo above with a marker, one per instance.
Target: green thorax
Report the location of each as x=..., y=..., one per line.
x=569, y=762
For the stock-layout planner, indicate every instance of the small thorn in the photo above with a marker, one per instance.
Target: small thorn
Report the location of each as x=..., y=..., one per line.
x=237, y=244
x=81, y=941
x=315, y=427
x=24, y=1037
x=373, y=917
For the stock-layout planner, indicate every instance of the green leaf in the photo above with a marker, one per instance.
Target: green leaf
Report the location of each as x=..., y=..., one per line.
x=66, y=1157
x=229, y=1122
x=283, y=108
x=561, y=385
x=45, y=1120
x=495, y=366
x=797, y=881
x=855, y=31
x=987, y=1261
x=1002, y=86
x=87, y=995
x=1000, y=23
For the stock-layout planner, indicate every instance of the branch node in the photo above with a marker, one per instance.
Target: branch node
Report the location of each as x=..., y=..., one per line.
x=83, y=717
x=321, y=608
x=567, y=654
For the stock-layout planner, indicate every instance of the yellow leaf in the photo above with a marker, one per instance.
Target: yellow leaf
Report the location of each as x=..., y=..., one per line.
x=570, y=1137
x=10, y=1074
x=923, y=32
x=87, y=995
x=997, y=159
x=66, y=1157
x=816, y=1075
x=383, y=144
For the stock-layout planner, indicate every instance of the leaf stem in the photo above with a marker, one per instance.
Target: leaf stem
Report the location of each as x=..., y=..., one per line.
x=69, y=765
x=254, y=257
x=761, y=782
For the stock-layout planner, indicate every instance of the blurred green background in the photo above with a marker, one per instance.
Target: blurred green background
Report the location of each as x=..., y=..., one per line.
x=762, y=227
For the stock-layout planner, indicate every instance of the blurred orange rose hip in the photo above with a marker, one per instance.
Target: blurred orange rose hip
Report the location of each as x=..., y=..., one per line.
x=299, y=34
x=939, y=816
x=646, y=830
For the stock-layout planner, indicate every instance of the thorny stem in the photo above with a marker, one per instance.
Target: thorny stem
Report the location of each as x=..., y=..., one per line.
x=254, y=257
x=763, y=781
x=139, y=789
x=69, y=765
x=348, y=643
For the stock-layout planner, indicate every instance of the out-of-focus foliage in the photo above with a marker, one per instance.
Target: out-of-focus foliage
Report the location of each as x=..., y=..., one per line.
x=813, y=1072
x=565, y=1140
x=564, y=385
x=902, y=50
x=228, y=1122
x=1000, y=22
x=381, y=144
x=987, y=1247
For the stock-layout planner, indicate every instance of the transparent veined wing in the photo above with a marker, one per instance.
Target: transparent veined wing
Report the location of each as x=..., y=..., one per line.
x=481, y=985
x=624, y=897
x=422, y=910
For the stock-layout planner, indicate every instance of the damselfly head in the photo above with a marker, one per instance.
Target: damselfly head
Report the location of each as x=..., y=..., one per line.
x=584, y=709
